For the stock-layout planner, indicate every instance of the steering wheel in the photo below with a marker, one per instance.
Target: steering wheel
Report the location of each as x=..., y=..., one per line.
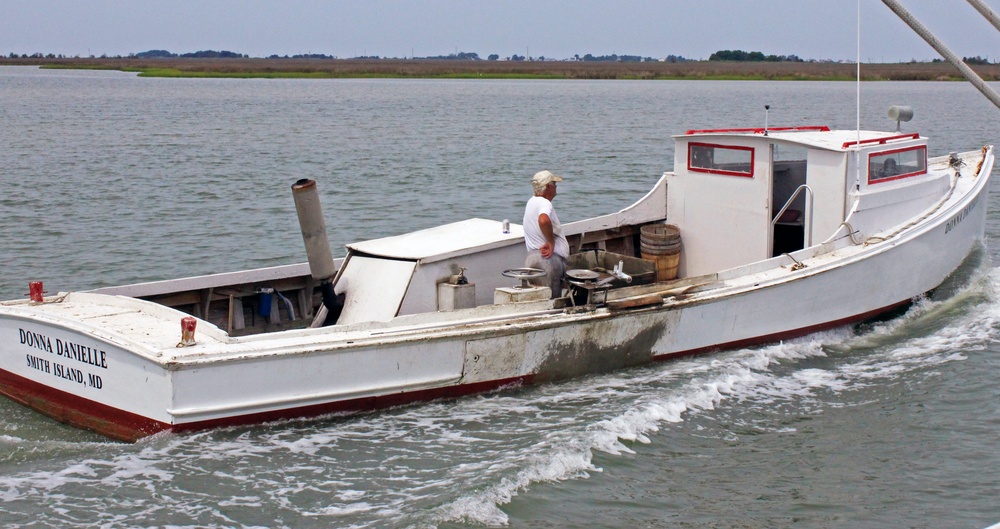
x=524, y=274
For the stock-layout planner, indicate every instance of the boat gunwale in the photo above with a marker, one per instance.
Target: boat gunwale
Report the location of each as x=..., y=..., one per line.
x=112, y=338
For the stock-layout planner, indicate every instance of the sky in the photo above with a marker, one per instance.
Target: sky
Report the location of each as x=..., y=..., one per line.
x=554, y=29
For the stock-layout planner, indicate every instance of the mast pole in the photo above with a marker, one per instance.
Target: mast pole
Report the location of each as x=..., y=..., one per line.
x=940, y=47
x=857, y=87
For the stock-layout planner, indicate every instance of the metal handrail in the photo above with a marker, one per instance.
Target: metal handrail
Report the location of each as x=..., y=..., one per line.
x=807, y=223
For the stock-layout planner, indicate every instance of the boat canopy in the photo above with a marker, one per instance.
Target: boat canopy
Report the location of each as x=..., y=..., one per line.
x=442, y=242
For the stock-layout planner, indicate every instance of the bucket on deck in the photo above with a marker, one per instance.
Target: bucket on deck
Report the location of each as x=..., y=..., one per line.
x=661, y=243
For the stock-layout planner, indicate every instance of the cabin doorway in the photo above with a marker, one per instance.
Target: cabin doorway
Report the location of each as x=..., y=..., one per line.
x=788, y=172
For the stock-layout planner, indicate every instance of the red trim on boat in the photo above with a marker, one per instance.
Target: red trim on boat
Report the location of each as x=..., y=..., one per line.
x=716, y=147
x=786, y=335
x=761, y=130
x=77, y=411
x=126, y=426
x=900, y=176
x=882, y=141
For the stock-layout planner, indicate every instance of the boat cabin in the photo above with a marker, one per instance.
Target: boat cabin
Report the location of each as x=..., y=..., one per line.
x=745, y=195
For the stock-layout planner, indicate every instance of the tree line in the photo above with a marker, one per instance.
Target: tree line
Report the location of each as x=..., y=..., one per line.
x=751, y=56
x=205, y=54
x=721, y=55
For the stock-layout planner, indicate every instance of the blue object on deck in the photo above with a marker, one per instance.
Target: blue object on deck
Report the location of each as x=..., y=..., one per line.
x=265, y=297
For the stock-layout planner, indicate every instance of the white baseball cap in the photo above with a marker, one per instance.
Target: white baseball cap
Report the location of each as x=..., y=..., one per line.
x=544, y=178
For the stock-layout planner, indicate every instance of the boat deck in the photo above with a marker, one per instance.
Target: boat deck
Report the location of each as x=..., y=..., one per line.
x=153, y=330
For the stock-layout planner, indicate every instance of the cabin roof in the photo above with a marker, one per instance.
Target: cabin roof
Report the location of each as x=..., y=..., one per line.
x=815, y=137
x=442, y=242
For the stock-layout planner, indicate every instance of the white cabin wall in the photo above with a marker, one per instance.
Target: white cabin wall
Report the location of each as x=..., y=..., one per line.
x=676, y=211
x=892, y=203
x=724, y=220
x=885, y=205
x=826, y=175
x=484, y=269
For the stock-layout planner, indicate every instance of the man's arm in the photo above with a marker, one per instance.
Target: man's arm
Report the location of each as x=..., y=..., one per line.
x=545, y=224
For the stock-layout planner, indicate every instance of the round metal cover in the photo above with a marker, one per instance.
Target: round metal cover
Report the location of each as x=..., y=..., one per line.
x=582, y=275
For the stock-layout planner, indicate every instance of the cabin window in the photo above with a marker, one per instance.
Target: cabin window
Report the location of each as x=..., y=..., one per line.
x=900, y=163
x=720, y=159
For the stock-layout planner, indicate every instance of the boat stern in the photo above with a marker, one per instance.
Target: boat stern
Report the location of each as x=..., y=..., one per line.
x=93, y=361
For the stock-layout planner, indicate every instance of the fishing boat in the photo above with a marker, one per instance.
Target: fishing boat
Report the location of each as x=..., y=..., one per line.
x=756, y=235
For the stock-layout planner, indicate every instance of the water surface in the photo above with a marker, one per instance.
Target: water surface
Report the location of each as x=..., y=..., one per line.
x=111, y=179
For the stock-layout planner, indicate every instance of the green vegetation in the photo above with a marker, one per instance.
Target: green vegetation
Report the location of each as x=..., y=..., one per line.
x=753, y=56
x=175, y=73
x=205, y=54
x=315, y=68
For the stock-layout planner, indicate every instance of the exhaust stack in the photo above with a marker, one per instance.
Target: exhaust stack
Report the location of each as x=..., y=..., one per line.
x=321, y=266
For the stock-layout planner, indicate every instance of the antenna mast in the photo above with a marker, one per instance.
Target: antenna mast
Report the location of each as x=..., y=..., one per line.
x=857, y=144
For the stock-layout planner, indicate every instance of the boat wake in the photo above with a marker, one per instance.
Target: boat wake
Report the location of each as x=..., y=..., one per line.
x=806, y=371
x=462, y=461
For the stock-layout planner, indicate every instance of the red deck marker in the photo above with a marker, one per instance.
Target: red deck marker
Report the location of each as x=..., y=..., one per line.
x=188, y=325
x=36, y=290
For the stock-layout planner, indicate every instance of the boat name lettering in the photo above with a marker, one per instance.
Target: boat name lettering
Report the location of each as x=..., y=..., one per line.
x=82, y=353
x=40, y=364
x=961, y=215
x=65, y=349
x=64, y=372
x=69, y=373
x=38, y=341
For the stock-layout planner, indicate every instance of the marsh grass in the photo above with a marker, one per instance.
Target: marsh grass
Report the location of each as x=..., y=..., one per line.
x=449, y=69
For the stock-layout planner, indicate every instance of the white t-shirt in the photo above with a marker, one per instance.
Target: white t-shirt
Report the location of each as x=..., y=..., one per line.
x=533, y=237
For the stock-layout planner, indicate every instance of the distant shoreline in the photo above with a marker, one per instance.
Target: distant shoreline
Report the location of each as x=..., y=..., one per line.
x=461, y=69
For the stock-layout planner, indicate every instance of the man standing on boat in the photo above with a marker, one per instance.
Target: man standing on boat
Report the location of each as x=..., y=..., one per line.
x=547, y=246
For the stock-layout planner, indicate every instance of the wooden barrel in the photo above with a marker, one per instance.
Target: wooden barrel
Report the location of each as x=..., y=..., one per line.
x=661, y=243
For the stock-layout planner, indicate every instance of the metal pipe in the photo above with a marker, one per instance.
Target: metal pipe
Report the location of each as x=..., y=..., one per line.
x=940, y=47
x=313, y=227
x=986, y=12
x=321, y=264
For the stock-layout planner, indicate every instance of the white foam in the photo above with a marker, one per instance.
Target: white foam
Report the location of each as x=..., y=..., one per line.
x=651, y=398
x=746, y=375
x=241, y=501
x=352, y=508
